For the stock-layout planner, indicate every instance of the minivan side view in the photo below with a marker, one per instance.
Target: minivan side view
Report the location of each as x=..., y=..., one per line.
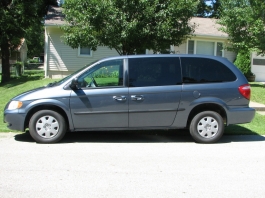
x=137, y=92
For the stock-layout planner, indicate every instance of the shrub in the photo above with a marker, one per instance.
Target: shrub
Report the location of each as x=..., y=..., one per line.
x=243, y=62
x=33, y=61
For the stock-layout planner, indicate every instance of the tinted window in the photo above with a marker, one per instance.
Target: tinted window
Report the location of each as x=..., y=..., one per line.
x=202, y=70
x=154, y=71
x=108, y=73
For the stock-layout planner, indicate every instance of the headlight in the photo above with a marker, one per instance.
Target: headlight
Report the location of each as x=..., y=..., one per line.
x=14, y=105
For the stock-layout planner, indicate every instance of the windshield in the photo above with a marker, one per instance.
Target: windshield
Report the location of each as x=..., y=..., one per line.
x=70, y=76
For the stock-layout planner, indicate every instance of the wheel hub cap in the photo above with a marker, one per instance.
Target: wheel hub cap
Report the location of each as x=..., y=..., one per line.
x=47, y=127
x=207, y=127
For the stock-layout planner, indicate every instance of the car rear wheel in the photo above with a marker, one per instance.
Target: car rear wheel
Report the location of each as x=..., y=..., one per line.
x=207, y=127
x=47, y=126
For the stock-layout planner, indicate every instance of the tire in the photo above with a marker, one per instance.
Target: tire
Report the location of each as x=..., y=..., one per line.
x=47, y=126
x=207, y=127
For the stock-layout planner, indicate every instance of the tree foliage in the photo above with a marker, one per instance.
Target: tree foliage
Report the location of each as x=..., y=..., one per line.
x=128, y=26
x=209, y=8
x=17, y=18
x=244, y=22
x=203, y=9
x=34, y=34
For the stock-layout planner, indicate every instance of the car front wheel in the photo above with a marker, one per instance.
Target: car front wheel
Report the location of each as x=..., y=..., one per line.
x=207, y=127
x=47, y=126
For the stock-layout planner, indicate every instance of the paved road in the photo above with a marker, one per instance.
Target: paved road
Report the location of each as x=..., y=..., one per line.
x=131, y=165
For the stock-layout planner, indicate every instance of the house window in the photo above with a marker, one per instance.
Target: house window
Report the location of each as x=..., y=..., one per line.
x=84, y=52
x=205, y=47
x=190, y=47
x=219, y=50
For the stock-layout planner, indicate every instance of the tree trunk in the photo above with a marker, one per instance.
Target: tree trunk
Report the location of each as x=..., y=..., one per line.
x=5, y=61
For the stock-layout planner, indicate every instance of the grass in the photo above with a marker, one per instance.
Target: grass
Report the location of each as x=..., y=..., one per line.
x=258, y=92
x=256, y=127
x=31, y=79
x=34, y=78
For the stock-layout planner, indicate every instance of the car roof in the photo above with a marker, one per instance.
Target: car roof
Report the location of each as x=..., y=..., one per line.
x=165, y=55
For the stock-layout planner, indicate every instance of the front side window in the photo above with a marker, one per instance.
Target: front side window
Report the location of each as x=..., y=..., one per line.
x=105, y=74
x=158, y=71
x=203, y=70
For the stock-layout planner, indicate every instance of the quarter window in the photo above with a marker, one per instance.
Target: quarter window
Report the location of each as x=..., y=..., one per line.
x=202, y=70
x=154, y=72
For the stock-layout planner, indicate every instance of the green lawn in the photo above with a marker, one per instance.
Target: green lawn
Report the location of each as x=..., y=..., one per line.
x=258, y=92
x=30, y=80
x=34, y=79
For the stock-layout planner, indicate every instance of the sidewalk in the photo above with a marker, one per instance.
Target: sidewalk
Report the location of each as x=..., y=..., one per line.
x=260, y=108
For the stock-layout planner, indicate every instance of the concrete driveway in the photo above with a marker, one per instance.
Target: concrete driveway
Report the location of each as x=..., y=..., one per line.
x=132, y=164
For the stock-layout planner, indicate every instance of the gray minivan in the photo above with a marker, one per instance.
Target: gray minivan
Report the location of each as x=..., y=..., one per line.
x=198, y=92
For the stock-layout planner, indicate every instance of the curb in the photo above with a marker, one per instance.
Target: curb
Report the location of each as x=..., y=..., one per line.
x=259, y=108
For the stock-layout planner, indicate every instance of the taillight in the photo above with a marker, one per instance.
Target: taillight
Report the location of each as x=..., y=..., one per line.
x=245, y=91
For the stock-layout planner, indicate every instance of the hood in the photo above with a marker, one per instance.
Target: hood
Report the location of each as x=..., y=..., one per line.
x=42, y=93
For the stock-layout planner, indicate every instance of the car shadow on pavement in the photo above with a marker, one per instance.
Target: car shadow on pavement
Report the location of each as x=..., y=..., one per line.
x=154, y=136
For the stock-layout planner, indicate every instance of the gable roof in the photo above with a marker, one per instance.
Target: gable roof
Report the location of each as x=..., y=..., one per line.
x=204, y=26
x=207, y=27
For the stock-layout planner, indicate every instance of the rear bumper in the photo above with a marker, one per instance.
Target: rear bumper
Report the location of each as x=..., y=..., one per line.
x=240, y=115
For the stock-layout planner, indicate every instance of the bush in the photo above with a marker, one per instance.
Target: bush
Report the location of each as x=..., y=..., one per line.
x=243, y=62
x=18, y=68
x=33, y=61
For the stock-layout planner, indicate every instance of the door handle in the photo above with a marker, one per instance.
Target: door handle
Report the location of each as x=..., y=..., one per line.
x=137, y=97
x=119, y=98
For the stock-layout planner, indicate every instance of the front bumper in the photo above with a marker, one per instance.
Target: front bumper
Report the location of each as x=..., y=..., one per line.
x=14, y=120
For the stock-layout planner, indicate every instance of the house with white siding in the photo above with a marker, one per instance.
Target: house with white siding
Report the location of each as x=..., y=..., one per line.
x=61, y=60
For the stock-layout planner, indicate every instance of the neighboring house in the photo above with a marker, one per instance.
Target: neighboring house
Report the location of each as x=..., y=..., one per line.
x=61, y=60
x=207, y=39
x=19, y=54
x=258, y=66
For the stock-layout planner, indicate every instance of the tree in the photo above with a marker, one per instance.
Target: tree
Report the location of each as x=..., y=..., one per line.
x=216, y=9
x=128, y=26
x=17, y=16
x=203, y=9
x=34, y=35
x=244, y=22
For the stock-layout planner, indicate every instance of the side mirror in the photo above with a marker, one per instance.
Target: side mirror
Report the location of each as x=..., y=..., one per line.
x=74, y=84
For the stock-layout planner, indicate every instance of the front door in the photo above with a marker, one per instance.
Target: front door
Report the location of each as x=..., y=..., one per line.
x=102, y=99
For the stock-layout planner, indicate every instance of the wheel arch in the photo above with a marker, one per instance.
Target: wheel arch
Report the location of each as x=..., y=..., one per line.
x=207, y=107
x=52, y=107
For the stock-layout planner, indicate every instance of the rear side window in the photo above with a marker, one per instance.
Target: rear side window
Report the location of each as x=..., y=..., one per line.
x=203, y=70
x=158, y=71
